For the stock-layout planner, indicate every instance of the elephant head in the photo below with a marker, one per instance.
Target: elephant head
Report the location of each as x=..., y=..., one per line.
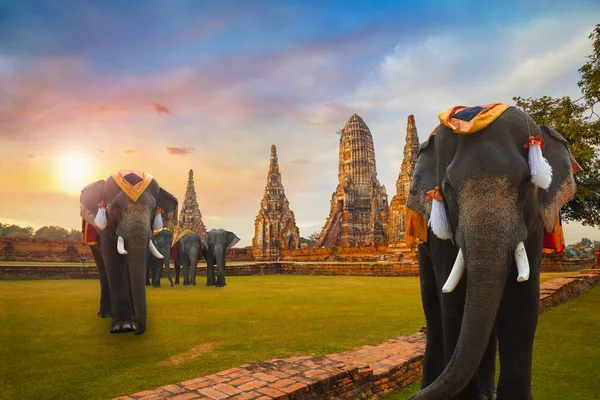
x=496, y=216
x=131, y=202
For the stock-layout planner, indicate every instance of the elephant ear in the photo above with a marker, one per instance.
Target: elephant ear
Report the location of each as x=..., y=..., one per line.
x=169, y=203
x=91, y=196
x=232, y=240
x=424, y=178
x=562, y=188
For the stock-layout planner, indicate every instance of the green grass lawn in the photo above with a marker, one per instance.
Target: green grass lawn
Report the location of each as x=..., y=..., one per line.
x=566, y=354
x=54, y=347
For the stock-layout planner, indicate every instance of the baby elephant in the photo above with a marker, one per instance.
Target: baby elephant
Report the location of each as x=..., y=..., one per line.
x=215, y=247
x=189, y=252
x=162, y=241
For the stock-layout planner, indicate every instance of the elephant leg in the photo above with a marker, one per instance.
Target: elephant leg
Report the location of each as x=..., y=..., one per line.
x=517, y=321
x=105, y=310
x=168, y=270
x=433, y=364
x=148, y=276
x=120, y=294
x=177, y=271
x=220, y=256
x=210, y=269
x=186, y=272
x=156, y=276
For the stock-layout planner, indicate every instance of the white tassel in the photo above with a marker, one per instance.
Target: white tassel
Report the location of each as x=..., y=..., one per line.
x=158, y=221
x=541, y=171
x=438, y=221
x=101, y=221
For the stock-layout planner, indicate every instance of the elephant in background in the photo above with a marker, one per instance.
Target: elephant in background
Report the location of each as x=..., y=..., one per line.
x=493, y=210
x=124, y=240
x=444, y=311
x=189, y=252
x=216, y=245
x=162, y=241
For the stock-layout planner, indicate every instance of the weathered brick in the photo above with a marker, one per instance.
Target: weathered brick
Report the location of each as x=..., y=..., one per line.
x=294, y=388
x=274, y=393
x=252, y=385
x=265, y=377
x=192, y=381
x=212, y=393
x=227, y=389
x=173, y=389
x=185, y=396
x=246, y=396
x=199, y=385
x=241, y=381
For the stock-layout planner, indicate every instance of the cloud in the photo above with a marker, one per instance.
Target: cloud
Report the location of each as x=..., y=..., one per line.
x=159, y=108
x=129, y=151
x=102, y=151
x=175, y=151
x=301, y=161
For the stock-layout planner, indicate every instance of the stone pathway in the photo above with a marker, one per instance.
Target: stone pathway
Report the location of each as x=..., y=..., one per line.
x=364, y=372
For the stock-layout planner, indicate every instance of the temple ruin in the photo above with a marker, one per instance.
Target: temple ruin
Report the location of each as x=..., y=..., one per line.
x=190, y=216
x=275, y=225
x=397, y=206
x=359, y=206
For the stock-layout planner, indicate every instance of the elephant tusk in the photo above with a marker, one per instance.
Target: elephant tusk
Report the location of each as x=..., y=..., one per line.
x=522, y=263
x=121, y=245
x=155, y=251
x=457, y=272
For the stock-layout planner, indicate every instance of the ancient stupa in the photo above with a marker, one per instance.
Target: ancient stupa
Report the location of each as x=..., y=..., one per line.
x=275, y=225
x=359, y=206
x=397, y=206
x=190, y=216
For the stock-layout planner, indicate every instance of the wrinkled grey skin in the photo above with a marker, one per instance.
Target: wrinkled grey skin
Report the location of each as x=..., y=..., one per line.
x=125, y=273
x=162, y=241
x=492, y=206
x=215, y=247
x=189, y=252
x=105, y=310
x=444, y=311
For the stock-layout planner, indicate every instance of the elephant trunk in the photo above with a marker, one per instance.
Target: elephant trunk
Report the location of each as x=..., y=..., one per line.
x=136, y=263
x=488, y=235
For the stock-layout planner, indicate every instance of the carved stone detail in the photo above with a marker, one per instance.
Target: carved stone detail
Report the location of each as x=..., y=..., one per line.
x=190, y=216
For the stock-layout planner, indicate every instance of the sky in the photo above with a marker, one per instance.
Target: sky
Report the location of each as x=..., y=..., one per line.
x=88, y=88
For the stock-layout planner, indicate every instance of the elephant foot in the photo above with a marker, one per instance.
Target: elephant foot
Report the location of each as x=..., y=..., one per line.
x=104, y=314
x=210, y=284
x=194, y=283
x=122, y=327
x=220, y=285
x=186, y=284
x=171, y=284
x=155, y=285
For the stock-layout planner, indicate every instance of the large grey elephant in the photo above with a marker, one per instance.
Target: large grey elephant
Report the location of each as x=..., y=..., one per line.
x=122, y=209
x=162, y=241
x=216, y=245
x=496, y=217
x=189, y=252
x=444, y=311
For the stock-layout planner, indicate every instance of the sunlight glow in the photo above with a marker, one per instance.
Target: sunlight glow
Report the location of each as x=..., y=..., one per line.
x=74, y=172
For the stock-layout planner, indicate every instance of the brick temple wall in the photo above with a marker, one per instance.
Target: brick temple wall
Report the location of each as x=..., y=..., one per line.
x=250, y=269
x=43, y=250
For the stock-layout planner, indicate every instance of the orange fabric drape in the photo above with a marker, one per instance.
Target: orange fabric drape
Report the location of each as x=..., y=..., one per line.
x=416, y=228
x=485, y=117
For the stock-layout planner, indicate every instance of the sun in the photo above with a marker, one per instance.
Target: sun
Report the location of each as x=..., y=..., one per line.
x=73, y=172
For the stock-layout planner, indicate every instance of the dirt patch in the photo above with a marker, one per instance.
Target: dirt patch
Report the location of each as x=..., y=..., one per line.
x=189, y=355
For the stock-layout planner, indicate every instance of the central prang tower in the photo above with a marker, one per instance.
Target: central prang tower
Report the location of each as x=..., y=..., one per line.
x=359, y=207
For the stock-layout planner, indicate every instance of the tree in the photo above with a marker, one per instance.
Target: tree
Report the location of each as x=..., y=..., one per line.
x=579, y=124
x=313, y=236
x=51, y=232
x=586, y=242
x=15, y=231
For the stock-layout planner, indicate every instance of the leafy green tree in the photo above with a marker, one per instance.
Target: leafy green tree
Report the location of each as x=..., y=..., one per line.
x=51, y=232
x=15, y=231
x=586, y=242
x=313, y=236
x=579, y=124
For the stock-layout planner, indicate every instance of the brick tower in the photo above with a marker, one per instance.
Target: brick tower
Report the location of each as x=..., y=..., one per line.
x=275, y=225
x=359, y=206
x=397, y=206
x=190, y=216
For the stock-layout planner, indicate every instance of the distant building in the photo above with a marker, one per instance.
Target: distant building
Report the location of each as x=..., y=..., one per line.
x=398, y=204
x=358, y=213
x=190, y=216
x=275, y=225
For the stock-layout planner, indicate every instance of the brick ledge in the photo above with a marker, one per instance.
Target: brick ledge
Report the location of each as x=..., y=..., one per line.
x=363, y=372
